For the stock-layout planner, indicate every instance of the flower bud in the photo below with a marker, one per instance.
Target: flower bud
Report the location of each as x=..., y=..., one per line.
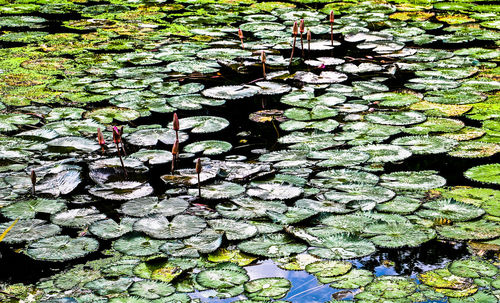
x=198, y=166
x=175, y=148
x=176, y=122
x=332, y=18
x=308, y=36
x=100, y=137
x=263, y=57
x=295, y=30
x=302, y=26
x=117, y=137
x=240, y=33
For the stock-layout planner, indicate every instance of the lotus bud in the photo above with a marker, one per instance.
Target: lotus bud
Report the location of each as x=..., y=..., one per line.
x=331, y=26
x=100, y=139
x=295, y=29
x=302, y=25
x=117, y=138
x=240, y=34
x=175, y=148
x=176, y=122
x=33, y=181
x=198, y=166
x=175, y=152
x=308, y=37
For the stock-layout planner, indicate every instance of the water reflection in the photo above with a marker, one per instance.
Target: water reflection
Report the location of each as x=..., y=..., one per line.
x=307, y=289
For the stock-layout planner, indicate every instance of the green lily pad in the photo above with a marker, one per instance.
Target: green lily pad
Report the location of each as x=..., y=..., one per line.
x=275, y=288
x=202, y=124
x=384, y=152
x=109, y=229
x=326, y=269
x=28, y=230
x=396, y=118
x=272, y=245
x=488, y=173
x=450, y=209
x=231, y=92
x=29, y=208
x=208, y=147
x=151, y=289
x=219, y=191
x=395, y=235
x=77, y=217
x=61, y=248
x=221, y=278
x=137, y=245
x=412, y=180
x=180, y=226
x=233, y=230
x=472, y=268
x=475, y=230
x=426, y=144
x=108, y=287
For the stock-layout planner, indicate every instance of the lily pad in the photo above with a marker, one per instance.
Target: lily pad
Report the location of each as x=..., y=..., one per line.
x=61, y=248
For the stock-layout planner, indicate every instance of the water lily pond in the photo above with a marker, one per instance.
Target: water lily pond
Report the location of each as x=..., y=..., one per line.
x=249, y=151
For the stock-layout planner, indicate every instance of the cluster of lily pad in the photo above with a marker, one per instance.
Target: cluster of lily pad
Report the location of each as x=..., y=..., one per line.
x=335, y=187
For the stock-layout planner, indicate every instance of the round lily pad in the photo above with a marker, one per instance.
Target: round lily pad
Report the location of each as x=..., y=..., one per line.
x=208, y=147
x=396, y=118
x=221, y=278
x=322, y=269
x=272, y=245
x=61, y=248
x=180, y=226
x=472, y=268
x=137, y=245
x=231, y=92
x=275, y=288
x=28, y=230
x=488, y=173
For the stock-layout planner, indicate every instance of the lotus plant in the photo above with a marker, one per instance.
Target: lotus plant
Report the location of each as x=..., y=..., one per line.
x=33, y=182
x=301, y=30
x=295, y=31
x=175, y=152
x=117, y=139
x=332, y=18
x=240, y=34
x=100, y=139
x=198, y=172
x=263, y=60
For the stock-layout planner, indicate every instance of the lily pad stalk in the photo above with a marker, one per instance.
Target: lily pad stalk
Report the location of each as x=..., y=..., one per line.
x=175, y=152
x=198, y=172
x=100, y=139
x=263, y=60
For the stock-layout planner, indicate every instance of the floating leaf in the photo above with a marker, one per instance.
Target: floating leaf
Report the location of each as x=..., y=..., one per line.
x=78, y=217
x=412, y=180
x=219, y=191
x=61, y=248
x=476, y=230
x=488, y=173
x=151, y=289
x=109, y=229
x=426, y=144
x=28, y=209
x=272, y=245
x=394, y=235
x=202, y=124
x=221, y=278
x=231, y=92
x=150, y=205
x=28, y=230
x=275, y=288
x=208, y=147
x=137, y=245
x=126, y=190
x=269, y=191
